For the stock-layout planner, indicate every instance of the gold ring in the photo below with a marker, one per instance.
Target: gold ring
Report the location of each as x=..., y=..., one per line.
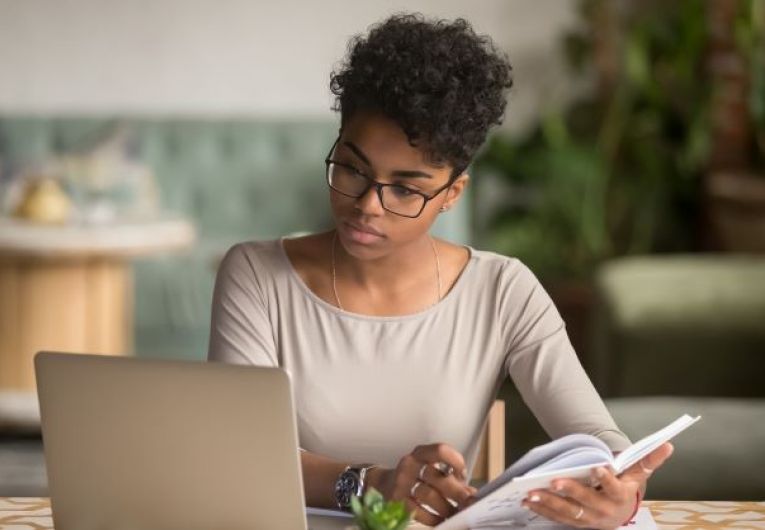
x=579, y=513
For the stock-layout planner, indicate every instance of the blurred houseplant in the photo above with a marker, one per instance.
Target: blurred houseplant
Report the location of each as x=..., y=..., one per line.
x=624, y=168
x=373, y=512
x=735, y=183
x=627, y=167
x=619, y=170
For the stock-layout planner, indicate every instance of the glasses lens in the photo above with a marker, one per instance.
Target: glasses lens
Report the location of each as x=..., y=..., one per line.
x=345, y=180
x=396, y=199
x=403, y=201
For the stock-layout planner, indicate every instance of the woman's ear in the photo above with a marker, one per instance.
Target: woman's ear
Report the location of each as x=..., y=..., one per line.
x=454, y=192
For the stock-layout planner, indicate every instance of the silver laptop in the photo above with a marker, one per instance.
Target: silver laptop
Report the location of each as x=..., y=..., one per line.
x=152, y=444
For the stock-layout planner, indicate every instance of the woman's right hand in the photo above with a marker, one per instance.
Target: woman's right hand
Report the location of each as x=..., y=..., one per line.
x=430, y=494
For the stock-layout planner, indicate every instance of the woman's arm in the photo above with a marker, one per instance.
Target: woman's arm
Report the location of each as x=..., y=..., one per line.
x=240, y=333
x=544, y=366
x=319, y=476
x=240, y=329
x=549, y=376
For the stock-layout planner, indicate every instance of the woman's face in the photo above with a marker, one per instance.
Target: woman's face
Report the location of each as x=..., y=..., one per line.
x=377, y=147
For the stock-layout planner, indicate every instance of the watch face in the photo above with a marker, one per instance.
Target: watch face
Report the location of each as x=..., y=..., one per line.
x=346, y=487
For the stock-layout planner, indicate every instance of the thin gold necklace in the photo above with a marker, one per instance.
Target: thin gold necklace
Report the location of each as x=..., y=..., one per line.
x=334, y=274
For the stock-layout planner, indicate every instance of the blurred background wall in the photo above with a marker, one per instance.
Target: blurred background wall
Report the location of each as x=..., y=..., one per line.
x=237, y=57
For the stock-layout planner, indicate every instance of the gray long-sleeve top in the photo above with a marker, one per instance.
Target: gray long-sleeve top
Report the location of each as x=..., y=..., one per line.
x=371, y=388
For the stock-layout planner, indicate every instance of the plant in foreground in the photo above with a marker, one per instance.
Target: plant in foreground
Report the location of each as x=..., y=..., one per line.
x=373, y=512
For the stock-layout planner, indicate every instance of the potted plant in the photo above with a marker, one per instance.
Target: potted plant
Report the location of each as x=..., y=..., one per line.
x=373, y=512
x=618, y=171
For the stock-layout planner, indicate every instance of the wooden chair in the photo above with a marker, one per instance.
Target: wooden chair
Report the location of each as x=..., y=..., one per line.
x=491, y=456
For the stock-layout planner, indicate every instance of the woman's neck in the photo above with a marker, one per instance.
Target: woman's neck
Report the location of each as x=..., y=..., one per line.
x=413, y=262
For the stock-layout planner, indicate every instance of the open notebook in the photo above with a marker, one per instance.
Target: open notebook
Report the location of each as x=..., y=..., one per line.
x=572, y=456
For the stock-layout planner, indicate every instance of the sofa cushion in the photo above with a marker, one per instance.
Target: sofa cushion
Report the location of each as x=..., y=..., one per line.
x=720, y=457
x=681, y=325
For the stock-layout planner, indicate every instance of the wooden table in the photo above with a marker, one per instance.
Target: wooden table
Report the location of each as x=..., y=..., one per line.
x=34, y=514
x=69, y=288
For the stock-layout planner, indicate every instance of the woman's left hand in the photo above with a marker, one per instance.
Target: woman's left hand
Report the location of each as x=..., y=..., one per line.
x=607, y=507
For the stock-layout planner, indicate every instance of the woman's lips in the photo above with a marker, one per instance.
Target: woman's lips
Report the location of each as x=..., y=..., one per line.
x=360, y=235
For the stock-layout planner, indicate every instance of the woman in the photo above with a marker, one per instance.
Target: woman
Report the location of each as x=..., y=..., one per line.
x=398, y=342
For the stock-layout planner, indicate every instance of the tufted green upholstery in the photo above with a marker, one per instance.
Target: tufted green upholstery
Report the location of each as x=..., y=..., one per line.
x=237, y=179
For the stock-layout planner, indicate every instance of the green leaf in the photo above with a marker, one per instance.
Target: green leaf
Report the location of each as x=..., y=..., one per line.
x=374, y=513
x=356, y=506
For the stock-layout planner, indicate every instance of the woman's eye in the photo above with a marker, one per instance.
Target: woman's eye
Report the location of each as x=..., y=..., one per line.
x=403, y=191
x=350, y=171
x=353, y=171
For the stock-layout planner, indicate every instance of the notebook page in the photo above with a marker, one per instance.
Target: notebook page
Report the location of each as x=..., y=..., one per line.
x=581, y=456
x=646, y=445
x=540, y=455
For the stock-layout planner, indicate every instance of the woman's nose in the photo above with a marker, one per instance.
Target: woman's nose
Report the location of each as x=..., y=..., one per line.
x=369, y=202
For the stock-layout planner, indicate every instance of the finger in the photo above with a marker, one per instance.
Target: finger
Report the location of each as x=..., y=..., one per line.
x=441, y=452
x=552, y=515
x=411, y=470
x=593, y=500
x=420, y=515
x=431, y=500
x=558, y=509
x=657, y=457
x=470, y=502
x=448, y=486
x=645, y=467
x=613, y=487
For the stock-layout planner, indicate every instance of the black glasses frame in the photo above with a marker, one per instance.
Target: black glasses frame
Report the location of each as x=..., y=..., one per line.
x=379, y=185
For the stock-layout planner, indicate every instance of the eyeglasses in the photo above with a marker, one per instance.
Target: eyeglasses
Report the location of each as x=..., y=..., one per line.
x=395, y=198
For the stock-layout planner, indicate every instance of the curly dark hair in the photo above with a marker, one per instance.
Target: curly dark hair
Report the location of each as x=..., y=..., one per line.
x=439, y=81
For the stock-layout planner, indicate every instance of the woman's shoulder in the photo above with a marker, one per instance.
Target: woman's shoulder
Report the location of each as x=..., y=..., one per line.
x=492, y=265
x=273, y=257
x=253, y=261
x=307, y=248
x=489, y=275
x=522, y=303
x=254, y=251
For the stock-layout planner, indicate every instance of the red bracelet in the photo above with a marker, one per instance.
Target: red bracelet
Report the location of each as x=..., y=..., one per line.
x=638, y=499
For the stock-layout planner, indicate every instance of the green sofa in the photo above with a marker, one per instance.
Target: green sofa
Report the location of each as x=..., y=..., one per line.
x=674, y=335
x=682, y=325
x=237, y=179
x=686, y=334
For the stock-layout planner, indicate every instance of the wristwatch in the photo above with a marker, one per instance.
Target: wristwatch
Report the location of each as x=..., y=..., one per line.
x=350, y=483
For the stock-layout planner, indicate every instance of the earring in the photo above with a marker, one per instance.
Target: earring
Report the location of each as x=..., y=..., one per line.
x=443, y=209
